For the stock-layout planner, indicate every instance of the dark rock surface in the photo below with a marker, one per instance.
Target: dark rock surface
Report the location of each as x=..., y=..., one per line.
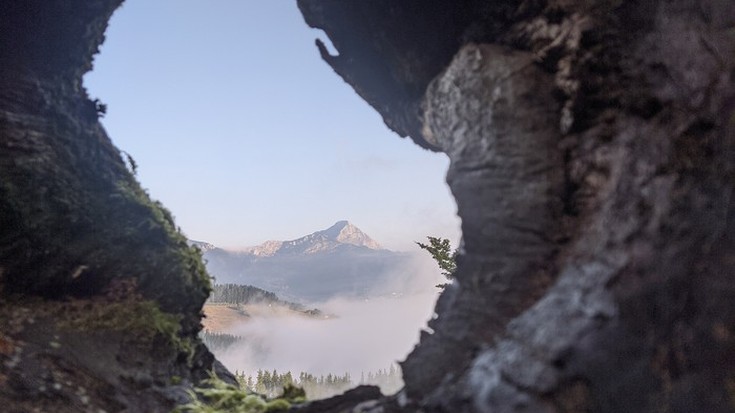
x=494, y=146
x=591, y=160
x=100, y=295
x=362, y=398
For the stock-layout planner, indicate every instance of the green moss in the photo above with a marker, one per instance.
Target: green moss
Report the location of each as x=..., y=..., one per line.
x=278, y=405
x=141, y=320
x=161, y=221
x=61, y=209
x=293, y=394
x=220, y=397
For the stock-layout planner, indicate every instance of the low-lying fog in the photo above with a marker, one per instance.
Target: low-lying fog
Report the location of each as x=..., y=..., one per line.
x=364, y=336
x=354, y=336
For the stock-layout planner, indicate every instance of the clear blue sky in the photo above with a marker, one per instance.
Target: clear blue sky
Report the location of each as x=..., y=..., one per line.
x=242, y=131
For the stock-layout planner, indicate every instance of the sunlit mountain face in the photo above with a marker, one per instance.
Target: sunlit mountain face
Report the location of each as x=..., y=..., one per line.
x=338, y=261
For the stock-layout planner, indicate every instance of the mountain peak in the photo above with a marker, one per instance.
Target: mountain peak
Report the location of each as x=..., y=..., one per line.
x=334, y=230
x=341, y=233
x=345, y=233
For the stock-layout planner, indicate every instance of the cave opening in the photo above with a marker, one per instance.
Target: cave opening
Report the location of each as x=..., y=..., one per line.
x=591, y=156
x=227, y=115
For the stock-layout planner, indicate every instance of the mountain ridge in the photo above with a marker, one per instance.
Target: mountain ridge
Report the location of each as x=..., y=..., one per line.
x=340, y=233
x=339, y=260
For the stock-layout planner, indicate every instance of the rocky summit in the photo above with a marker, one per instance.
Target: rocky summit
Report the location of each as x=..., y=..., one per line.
x=339, y=260
x=341, y=233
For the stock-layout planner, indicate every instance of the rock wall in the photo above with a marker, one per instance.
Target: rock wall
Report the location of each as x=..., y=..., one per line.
x=591, y=160
x=100, y=295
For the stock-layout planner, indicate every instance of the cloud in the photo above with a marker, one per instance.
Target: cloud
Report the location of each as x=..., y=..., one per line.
x=365, y=334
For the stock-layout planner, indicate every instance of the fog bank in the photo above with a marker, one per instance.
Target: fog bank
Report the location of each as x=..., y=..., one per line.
x=365, y=336
x=354, y=336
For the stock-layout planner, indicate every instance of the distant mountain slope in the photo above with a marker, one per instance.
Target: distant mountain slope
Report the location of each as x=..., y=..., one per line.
x=249, y=295
x=241, y=294
x=231, y=304
x=339, y=234
x=340, y=260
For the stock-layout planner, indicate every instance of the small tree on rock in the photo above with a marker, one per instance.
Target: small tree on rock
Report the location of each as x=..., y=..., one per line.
x=441, y=251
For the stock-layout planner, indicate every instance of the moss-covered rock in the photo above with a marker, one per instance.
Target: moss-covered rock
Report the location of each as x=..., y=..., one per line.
x=99, y=287
x=72, y=216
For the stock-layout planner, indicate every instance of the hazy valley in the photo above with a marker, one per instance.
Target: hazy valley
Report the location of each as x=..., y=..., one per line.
x=339, y=261
x=327, y=311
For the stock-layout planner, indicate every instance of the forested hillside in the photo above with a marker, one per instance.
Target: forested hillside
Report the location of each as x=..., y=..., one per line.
x=216, y=342
x=247, y=294
x=241, y=294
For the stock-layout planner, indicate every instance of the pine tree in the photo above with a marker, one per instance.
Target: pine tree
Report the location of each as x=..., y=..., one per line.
x=287, y=379
x=441, y=251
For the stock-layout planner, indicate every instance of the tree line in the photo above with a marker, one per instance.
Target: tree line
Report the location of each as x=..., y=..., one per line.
x=218, y=341
x=271, y=384
x=241, y=294
x=237, y=294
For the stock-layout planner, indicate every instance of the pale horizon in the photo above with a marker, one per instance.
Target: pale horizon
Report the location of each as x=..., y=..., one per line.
x=241, y=130
x=236, y=248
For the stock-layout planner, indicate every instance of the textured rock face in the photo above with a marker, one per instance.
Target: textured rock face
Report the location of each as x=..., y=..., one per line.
x=591, y=160
x=72, y=217
x=98, y=289
x=506, y=177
